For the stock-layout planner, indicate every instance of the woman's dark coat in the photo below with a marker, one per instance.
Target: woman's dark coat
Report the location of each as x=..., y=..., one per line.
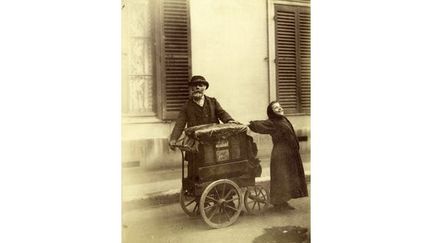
x=287, y=178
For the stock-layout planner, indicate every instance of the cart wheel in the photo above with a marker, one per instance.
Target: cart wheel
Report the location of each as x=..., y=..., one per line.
x=189, y=204
x=220, y=203
x=256, y=199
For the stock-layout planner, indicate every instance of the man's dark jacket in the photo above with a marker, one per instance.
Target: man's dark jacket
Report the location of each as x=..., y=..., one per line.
x=192, y=114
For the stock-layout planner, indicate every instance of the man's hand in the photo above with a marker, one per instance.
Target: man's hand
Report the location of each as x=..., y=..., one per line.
x=234, y=122
x=172, y=145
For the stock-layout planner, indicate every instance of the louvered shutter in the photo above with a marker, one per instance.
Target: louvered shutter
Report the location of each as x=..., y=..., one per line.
x=175, y=56
x=304, y=41
x=292, y=35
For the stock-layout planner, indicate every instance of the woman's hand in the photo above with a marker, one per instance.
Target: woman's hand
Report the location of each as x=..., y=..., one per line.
x=234, y=122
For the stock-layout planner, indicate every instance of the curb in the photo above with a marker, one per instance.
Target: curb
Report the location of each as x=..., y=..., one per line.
x=172, y=196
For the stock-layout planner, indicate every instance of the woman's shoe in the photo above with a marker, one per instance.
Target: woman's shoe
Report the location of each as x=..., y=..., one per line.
x=288, y=206
x=283, y=206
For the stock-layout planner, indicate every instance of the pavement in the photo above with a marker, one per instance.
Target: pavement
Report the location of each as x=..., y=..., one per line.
x=152, y=188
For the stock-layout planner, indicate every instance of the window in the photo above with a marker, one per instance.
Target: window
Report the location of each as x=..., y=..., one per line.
x=292, y=47
x=138, y=58
x=155, y=57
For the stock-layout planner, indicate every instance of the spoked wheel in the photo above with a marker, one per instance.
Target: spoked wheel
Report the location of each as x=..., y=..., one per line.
x=256, y=199
x=220, y=203
x=189, y=203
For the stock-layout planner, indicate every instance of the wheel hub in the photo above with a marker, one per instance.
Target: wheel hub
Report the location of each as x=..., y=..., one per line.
x=221, y=202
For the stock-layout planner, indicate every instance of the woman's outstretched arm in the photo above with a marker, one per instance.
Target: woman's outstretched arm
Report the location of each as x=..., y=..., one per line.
x=263, y=126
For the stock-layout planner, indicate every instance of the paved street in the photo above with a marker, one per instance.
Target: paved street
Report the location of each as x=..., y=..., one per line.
x=168, y=223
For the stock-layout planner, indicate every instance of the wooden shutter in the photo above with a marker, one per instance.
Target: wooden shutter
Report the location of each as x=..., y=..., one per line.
x=175, y=56
x=293, y=58
x=304, y=41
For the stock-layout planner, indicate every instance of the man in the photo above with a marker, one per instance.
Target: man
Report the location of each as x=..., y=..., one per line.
x=198, y=110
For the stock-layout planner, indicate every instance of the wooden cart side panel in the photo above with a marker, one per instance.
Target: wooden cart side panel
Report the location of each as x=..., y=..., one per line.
x=211, y=153
x=222, y=171
x=207, y=166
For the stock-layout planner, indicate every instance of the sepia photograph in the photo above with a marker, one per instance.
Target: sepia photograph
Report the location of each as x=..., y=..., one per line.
x=216, y=104
x=183, y=121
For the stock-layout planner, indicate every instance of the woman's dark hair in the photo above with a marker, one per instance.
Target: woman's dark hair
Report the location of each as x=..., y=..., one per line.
x=270, y=113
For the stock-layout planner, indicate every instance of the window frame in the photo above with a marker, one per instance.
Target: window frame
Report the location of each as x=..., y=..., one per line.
x=133, y=117
x=160, y=113
x=271, y=24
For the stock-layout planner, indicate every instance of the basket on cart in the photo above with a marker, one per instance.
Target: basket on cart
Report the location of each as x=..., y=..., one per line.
x=221, y=159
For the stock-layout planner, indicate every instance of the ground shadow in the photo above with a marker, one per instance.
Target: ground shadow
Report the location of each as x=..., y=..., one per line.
x=284, y=234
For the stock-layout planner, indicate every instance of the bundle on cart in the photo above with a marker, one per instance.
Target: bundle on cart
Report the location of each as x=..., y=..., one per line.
x=214, y=132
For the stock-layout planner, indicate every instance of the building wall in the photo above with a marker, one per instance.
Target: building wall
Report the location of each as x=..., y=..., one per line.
x=229, y=47
x=229, y=41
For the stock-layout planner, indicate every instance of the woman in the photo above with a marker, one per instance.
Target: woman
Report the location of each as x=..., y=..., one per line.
x=287, y=178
